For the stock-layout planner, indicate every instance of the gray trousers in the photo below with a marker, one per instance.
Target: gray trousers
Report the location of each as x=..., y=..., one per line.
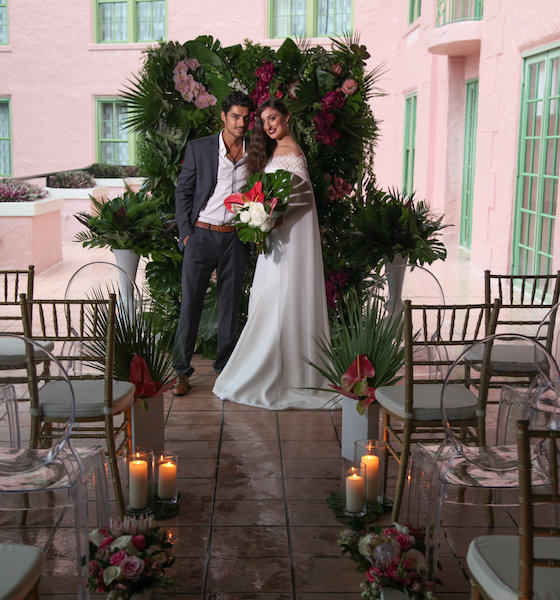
x=205, y=251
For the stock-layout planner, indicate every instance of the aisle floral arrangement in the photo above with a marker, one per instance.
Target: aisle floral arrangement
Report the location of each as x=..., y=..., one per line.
x=393, y=559
x=263, y=200
x=129, y=557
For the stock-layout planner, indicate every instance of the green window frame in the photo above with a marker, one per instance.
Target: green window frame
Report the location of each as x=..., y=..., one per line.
x=538, y=166
x=309, y=18
x=6, y=167
x=409, y=150
x=452, y=11
x=122, y=21
x=414, y=10
x=4, y=22
x=115, y=143
x=469, y=158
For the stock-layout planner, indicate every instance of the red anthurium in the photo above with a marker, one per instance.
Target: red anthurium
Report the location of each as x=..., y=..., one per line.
x=233, y=199
x=255, y=194
x=140, y=376
x=359, y=370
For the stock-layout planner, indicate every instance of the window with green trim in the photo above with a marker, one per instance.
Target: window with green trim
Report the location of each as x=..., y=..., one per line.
x=469, y=158
x=3, y=21
x=310, y=18
x=114, y=142
x=409, y=143
x=130, y=20
x=414, y=9
x=5, y=139
x=538, y=168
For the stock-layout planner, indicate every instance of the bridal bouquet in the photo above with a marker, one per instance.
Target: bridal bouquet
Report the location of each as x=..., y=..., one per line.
x=256, y=208
x=128, y=557
x=393, y=559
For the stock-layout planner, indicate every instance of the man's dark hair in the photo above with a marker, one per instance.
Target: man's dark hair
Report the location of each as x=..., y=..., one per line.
x=237, y=99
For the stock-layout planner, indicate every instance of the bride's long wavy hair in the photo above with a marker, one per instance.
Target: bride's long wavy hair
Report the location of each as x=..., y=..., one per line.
x=261, y=146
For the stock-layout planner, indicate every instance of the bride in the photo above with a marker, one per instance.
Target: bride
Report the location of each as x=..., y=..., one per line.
x=287, y=305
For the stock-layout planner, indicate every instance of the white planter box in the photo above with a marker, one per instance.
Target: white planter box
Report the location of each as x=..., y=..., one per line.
x=148, y=425
x=75, y=200
x=356, y=426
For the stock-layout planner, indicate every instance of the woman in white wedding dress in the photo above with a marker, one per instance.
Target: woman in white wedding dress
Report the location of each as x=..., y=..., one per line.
x=287, y=304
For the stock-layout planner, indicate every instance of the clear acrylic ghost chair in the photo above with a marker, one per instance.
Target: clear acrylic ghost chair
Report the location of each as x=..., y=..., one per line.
x=445, y=479
x=106, y=278
x=40, y=484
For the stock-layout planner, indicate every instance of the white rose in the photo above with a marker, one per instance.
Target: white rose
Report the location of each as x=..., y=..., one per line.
x=416, y=559
x=244, y=216
x=258, y=214
x=362, y=544
x=110, y=574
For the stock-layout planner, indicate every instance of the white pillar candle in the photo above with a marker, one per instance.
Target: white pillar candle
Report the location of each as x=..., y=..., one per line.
x=372, y=476
x=167, y=480
x=354, y=493
x=138, y=484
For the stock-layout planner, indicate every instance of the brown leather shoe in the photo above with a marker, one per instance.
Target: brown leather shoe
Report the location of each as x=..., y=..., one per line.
x=181, y=386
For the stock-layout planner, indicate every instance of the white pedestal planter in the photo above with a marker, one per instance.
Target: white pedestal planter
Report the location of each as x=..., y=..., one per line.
x=148, y=424
x=356, y=426
x=30, y=234
x=127, y=260
x=395, y=273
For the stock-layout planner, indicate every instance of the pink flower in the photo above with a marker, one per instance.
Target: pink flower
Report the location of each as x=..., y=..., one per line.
x=349, y=86
x=93, y=568
x=108, y=540
x=279, y=93
x=131, y=567
x=292, y=89
x=117, y=558
x=192, y=64
x=336, y=69
x=204, y=100
x=139, y=542
x=333, y=100
x=404, y=542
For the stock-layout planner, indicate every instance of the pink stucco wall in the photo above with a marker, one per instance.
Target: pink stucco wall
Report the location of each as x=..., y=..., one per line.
x=53, y=71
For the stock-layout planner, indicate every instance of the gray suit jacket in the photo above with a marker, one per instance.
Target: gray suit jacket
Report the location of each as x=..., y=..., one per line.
x=196, y=182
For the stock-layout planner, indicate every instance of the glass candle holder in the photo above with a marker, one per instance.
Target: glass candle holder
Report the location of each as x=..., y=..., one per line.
x=353, y=489
x=139, y=479
x=369, y=452
x=166, y=477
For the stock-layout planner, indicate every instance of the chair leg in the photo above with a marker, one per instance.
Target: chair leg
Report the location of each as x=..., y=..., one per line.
x=403, y=470
x=112, y=456
x=385, y=455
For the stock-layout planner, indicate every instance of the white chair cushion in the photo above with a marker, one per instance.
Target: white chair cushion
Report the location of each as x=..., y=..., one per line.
x=54, y=398
x=506, y=358
x=460, y=402
x=494, y=562
x=12, y=352
x=20, y=570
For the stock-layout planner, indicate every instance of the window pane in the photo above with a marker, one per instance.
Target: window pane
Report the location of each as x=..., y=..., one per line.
x=289, y=18
x=113, y=142
x=333, y=17
x=3, y=22
x=150, y=15
x=113, y=22
x=5, y=140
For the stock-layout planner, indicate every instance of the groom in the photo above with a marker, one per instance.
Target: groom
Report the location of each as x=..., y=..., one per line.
x=213, y=168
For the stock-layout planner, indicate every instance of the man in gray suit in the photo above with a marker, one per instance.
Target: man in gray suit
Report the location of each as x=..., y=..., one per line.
x=213, y=168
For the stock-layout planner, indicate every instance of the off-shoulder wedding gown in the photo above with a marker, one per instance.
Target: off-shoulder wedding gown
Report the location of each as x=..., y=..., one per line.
x=287, y=310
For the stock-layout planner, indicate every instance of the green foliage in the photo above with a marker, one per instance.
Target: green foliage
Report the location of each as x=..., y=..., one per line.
x=393, y=223
x=99, y=170
x=135, y=333
x=362, y=328
x=71, y=179
x=132, y=221
x=13, y=190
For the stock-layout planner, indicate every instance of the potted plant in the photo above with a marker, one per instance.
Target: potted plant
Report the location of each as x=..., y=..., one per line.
x=131, y=225
x=364, y=352
x=30, y=225
x=143, y=357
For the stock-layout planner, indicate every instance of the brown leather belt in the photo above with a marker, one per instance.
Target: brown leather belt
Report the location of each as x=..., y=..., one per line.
x=218, y=228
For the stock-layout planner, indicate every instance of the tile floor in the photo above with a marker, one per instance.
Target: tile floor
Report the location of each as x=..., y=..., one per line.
x=253, y=522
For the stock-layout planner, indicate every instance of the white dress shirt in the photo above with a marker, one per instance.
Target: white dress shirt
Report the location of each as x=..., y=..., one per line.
x=230, y=179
